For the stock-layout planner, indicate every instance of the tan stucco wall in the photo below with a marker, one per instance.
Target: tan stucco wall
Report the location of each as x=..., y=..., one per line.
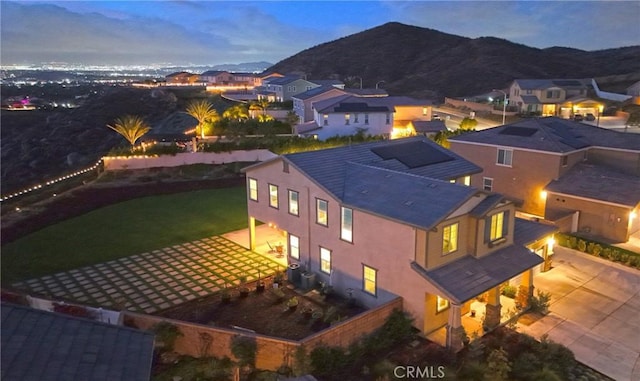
x=483, y=247
x=412, y=112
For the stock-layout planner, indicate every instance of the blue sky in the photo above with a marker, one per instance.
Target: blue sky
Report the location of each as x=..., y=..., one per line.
x=216, y=32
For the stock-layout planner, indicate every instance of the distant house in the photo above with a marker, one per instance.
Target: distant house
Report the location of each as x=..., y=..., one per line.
x=395, y=218
x=40, y=345
x=182, y=78
x=302, y=102
x=347, y=115
x=553, y=97
x=582, y=177
x=280, y=89
x=218, y=78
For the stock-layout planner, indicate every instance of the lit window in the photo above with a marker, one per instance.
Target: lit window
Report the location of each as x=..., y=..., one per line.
x=441, y=304
x=452, y=181
x=487, y=184
x=325, y=117
x=424, y=111
x=369, y=280
x=273, y=195
x=325, y=260
x=253, y=189
x=504, y=157
x=450, y=238
x=346, y=118
x=497, y=222
x=321, y=212
x=467, y=180
x=346, y=232
x=293, y=202
x=294, y=246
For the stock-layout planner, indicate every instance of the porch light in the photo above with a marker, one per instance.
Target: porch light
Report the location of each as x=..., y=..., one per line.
x=543, y=194
x=550, y=242
x=632, y=215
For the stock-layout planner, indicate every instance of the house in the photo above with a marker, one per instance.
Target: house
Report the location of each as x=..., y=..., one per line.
x=281, y=89
x=42, y=345
x=348, y=114
x=542, y=164
x=395, y=218
x=219, y=78
x=181, y=78
x=553, y=97
x=302, y=102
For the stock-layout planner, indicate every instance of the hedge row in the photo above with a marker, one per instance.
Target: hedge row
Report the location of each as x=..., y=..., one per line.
x=599, y=249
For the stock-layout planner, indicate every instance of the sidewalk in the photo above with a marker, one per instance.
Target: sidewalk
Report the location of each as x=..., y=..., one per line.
x=595, y=311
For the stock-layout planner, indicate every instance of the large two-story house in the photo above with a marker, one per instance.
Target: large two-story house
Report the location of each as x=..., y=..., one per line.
x=583, y=177
x=553, y=97
x=395, y=218
x=280, y=89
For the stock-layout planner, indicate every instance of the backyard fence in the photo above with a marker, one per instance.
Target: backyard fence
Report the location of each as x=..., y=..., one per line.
x=114, y=163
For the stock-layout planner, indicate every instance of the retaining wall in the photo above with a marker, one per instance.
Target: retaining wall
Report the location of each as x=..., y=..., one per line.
x=187, y=158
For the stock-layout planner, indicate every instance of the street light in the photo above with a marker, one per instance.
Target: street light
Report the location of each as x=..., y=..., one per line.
x=360, y=78
x=504, y=106
x=379, y=82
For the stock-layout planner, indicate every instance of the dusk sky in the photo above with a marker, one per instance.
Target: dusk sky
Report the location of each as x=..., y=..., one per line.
x=218, y=32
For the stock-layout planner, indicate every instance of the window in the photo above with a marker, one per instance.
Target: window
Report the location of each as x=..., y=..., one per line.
x=369, y=280
x=504, y=157
x=346, y=118
x=273, y=195
x=441, y=304
x=565, y=161
x=467, y=180
x=497, y=223
x=293, y=202
x=325, y=260
x=346, y=231
x=496, y=226
x=355, y=118
x=452, y=181
x=424, y=111
x=285, y=167
x=253, y=189
x=325, y=117
x=388, y=118
x=450, y=238
x=366, y=118
x=487, y=184
x=294, y=246
x=321, y=212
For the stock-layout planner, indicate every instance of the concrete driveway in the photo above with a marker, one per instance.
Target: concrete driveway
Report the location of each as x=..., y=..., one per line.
x=595, y=311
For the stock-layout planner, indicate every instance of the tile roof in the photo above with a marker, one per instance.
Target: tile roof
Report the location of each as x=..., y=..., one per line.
x=530, y=99
x=354, y=103
x=46, y=346
x=425, y=126
x=317, y=91
x=367, y=92
x=326, y=82
x=486, y=205
x=284, y=80
x=537, y=84
x=526, y=232
x=551, y=134
x=468, y=277
x=598, y=182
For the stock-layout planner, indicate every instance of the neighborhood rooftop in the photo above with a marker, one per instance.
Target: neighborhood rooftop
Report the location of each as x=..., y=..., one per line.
x=551, y=134
x=46, y=346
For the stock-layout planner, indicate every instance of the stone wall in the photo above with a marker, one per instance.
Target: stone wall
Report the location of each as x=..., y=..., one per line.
x=140, y=162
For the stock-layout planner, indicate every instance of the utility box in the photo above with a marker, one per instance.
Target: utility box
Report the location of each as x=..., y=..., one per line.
x=308, y=280
x=293, y=273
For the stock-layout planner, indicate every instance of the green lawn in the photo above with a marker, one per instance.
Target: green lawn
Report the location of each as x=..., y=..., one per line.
x=124, y=229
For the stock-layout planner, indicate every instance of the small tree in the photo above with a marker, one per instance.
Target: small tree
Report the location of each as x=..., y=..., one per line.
x=498, y=365
x=204, y=112
x=468, y=124
x=132, y=127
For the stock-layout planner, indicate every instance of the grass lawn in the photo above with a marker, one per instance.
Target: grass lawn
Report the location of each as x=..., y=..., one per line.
x=124, y=229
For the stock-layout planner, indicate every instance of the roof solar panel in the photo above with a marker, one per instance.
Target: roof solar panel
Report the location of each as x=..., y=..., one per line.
x=412, y=154
x=518, y=131
x=567, y=136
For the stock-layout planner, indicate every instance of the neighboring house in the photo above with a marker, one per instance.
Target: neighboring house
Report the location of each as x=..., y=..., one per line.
x=218, y=78
x=553, y=97
x=328, y=82
x=383, y=219
x=281, y=89
x=181, y=78
x=347, y=115
x=302, y=102
x=634, y=90
x=427, y=127
x=534, y=161
x=40, y=345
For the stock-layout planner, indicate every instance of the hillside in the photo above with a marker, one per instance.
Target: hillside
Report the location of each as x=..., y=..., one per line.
x=424, y=62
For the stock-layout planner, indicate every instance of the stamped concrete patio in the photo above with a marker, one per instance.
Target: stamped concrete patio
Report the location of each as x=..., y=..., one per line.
x=595, y=311
x=157, y=280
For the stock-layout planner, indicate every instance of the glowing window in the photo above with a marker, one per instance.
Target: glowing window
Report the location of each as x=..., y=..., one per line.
x=346, y=231
x=441, y=304
x=253, y=189
x=325, y=260
x=369, y=280
x=497, y=229
x=294, y=246
x=322, y=212
x=450, y=238
x=273, y=195
x=467, y=180
x=293, y=202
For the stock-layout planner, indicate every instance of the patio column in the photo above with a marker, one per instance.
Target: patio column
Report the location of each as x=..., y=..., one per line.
x=455, y=331
x=492, y=309
x=525, y=291
x=252, y=233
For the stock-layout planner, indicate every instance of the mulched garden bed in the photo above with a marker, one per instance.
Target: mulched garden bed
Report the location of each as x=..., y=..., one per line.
x=267, y=313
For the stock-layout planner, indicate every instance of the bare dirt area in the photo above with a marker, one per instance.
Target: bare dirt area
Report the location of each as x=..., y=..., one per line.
x=267, y=312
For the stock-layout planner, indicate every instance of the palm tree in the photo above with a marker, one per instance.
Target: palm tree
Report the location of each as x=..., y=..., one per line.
x=237, y=112
x=204, y=112
x=260, y=104
x=132, y=127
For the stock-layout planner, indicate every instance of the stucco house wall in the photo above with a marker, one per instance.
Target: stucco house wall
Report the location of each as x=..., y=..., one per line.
x=336, y=124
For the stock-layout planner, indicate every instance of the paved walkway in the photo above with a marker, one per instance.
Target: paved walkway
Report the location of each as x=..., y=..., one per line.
x=595, y=311
x=154, y=281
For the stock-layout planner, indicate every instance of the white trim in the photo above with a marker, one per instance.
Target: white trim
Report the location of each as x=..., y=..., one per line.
x=545, y=152
x=590, y=199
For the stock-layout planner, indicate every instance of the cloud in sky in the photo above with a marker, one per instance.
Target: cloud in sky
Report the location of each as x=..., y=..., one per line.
x=216, y=32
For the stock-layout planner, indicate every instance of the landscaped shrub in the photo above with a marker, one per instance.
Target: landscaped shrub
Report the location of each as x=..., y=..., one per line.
x=498, y=366
x=328, y=361
x=582, y=245
x=600, y=249
x=509, y=291
x=244, y=349
x=540, y=303
x=556, y=356
x=597, y=249
x=166, y=335
x=590, y=246
x=573, y=242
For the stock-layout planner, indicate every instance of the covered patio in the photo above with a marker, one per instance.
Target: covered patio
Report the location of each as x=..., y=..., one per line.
x=270, y=241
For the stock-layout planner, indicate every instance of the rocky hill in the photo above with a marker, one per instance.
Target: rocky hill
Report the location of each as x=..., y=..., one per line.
x=424, y=62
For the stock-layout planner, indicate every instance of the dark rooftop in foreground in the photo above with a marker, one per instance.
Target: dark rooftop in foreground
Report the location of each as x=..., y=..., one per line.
x=47, y=346
x=527, y=232
x=467, y=277
x=551, y=134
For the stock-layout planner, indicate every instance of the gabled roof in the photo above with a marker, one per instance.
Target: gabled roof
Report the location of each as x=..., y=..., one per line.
x=530, y=99
x=551, y=134
x=179, y=73
x=317, y=91
x=486, y=205
x=326, y=82
x=285, y=80
x=527, y=232
x=598, y=182
x=425, y=126
x=213, y=73
x=367, y=92
x=46, y=346
x=467, y=277
x=352, y=103
x=538, y=84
